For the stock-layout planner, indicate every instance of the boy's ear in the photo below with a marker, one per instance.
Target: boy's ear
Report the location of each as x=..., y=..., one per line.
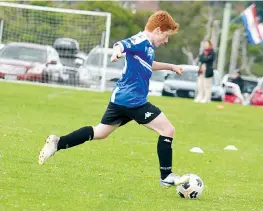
x=158, y=29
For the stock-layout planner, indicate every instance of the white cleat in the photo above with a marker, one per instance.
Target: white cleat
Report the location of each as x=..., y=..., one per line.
x=174, y=180
x=49, y=149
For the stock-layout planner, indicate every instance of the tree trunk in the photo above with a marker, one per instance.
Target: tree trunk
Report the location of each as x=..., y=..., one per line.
x=187, y=51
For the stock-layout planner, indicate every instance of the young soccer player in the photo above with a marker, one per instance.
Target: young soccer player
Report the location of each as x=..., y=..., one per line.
x=129, y=98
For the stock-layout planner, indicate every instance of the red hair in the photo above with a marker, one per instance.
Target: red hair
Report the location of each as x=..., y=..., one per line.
x=163, y=20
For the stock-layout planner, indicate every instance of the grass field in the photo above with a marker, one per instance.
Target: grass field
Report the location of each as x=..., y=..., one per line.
x=121, y=173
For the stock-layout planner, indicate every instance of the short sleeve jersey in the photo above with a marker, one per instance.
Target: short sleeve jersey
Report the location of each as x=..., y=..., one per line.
x=132, y=88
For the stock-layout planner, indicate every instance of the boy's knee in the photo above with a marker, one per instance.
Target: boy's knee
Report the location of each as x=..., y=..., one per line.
x=168, y=131
x=99, y=133
x=171, y=130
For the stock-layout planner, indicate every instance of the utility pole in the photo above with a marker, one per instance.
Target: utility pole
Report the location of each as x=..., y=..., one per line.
x=234, y=51
x=223, y=39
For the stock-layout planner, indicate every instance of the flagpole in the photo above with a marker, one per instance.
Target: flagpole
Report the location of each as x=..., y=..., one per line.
x=235, y=19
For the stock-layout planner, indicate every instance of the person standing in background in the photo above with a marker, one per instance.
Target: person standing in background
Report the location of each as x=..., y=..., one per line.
x=206, y=60
x=200, y=84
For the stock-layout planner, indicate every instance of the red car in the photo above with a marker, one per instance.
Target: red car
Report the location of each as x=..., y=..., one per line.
x=256, y=97
x=27, y=61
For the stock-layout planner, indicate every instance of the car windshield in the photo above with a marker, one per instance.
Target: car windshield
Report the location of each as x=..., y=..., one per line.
x=187, y=76
x=158, y=76
x=24, y=53
x=96, y=59
x=70, y=61
x=249, y=86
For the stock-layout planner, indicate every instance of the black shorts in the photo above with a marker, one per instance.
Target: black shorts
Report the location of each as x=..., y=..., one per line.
x=117, y=114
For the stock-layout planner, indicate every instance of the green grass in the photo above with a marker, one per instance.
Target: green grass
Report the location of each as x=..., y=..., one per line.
x=121, y=172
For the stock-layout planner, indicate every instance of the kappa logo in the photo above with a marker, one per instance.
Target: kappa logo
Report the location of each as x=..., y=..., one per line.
x=167, y=140
x=148, y=114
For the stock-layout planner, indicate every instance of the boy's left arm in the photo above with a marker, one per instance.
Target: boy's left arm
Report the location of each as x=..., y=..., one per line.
x=167, y=66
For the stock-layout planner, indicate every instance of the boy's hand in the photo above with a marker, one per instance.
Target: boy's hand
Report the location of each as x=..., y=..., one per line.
x=177, y=69
x=117, y=53
x=115, y=56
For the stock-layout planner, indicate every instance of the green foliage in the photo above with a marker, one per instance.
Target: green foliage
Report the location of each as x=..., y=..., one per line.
x=44, y=27
x=257, y=69
x=124, y=24
x=39, y=3
x=190, y=33
x=121, y=24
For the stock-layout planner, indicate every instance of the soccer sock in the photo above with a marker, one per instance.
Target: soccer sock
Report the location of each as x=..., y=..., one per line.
x=164, y=150
x=76, y=137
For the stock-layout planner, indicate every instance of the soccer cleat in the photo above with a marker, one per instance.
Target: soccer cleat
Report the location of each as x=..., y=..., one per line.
x=49, y=149
x=174, y=180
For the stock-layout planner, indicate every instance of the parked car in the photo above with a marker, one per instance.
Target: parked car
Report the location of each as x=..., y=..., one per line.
x=66, y=46
x=90, y=73
x=71, y=57
x=157, y=82
x=27, y=61
x=2, y=46
x=250, y=82
x=70, y=74
x=186, y=85
x=256, y=97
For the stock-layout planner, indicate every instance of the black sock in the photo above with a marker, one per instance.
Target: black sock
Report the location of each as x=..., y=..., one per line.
x=76, y=137
x=164, y=150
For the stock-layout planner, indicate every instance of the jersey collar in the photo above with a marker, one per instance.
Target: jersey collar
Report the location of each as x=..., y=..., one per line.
x=147, y=38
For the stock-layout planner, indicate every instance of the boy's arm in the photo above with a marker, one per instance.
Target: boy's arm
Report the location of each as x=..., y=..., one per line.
x=167, y=66
x=132, y=45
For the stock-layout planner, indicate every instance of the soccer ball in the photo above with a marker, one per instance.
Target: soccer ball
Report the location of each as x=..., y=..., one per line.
x=192, y=189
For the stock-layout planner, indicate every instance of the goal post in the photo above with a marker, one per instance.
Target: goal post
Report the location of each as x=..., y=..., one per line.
x=81, y=29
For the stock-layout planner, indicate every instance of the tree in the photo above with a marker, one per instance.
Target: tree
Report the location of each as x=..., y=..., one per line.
x=121, y=24
x=193, y=19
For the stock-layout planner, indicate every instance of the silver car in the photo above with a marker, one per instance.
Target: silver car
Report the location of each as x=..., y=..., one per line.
x=186, y=85
x=90, y=73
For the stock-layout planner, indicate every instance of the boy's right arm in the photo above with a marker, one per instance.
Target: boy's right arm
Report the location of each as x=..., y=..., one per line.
x=133, y=45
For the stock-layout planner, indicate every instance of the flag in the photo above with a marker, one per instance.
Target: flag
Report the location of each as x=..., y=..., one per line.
x=249, y=19
x=260, y=28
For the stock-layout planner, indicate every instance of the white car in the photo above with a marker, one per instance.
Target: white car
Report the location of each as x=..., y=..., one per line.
x=90, y=73
x=157, y=82
x=185, y=85
x=250, y=82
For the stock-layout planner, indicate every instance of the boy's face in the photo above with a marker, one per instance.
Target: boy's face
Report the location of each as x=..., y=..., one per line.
x=161, y=37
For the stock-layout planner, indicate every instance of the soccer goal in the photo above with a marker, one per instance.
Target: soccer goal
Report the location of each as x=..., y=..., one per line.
x=54, y=45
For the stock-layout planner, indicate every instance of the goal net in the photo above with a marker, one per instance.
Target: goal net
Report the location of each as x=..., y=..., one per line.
x=54, y=45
